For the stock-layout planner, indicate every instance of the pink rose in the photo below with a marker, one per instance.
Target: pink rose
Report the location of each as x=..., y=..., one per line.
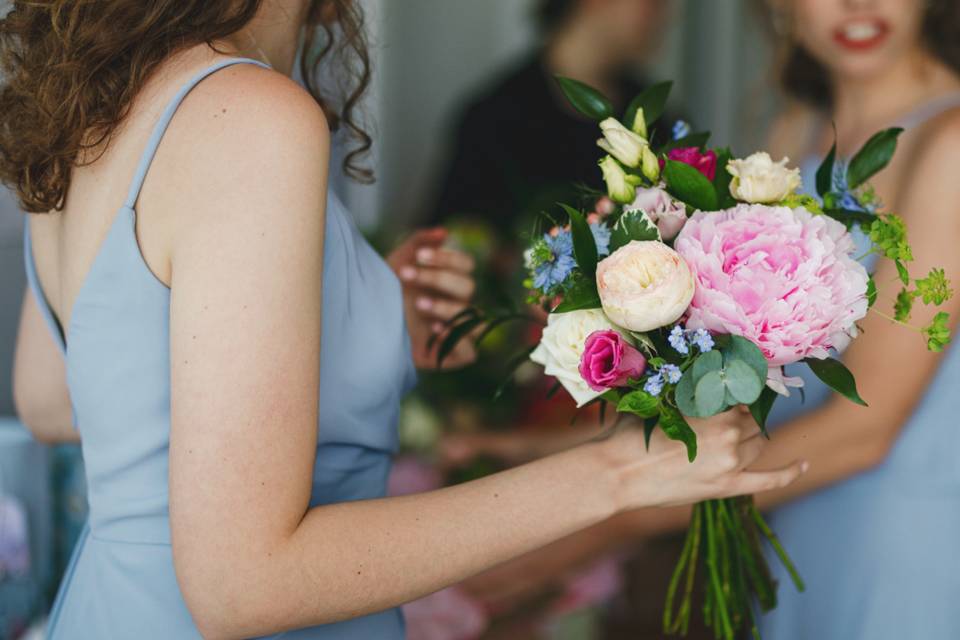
x=450, y=614
x=609, y=361
x=665, y=212
x=705, y=163
x=783, y=278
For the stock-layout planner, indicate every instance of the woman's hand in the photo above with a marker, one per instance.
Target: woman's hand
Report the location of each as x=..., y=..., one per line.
x=437, y=285
x=727, y=445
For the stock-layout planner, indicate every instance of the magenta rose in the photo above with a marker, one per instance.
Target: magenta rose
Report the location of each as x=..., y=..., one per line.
x=705, y=163
x=608, y=361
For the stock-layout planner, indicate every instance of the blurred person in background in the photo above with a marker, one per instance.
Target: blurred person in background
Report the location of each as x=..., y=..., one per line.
x=180, y=246
x=872, y=527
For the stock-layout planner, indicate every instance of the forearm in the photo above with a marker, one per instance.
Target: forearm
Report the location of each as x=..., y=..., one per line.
x=355, y=558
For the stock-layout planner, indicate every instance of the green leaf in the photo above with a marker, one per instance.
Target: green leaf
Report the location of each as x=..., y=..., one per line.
x=581, y=294
x=653, y=101
x=584, y=246
x=689, y=186
x=722, y=178
x=835, y=375
x=742, y=382
x=698, y=139
x=937, y=332
x=903, y=306
x=705, y=363
x=935, y=288
x=648, y=426
x=676, y=428
x=850, y=218
x=871, y=292
x=825, y=171
x=632, y=225
x=760, y=410
x=639, y=403
x=872, y=157
x=685, y=394
x=902, y=273
x=457, y=333
x=889, y=235
x=740, y=348
x=585, y=98
x=710, y=394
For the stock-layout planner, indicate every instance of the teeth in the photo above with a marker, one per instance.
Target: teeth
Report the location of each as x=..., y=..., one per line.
x=859, y=31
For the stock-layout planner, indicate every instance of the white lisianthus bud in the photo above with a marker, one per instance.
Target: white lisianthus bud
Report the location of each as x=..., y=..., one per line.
x=639, y=124
x=562, y=345
x=760, y=180
x=650, y=165
x=644, y=285
x=623, y=144
x=618, y=186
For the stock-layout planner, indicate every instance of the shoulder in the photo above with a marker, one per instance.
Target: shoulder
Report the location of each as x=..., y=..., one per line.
x=930, y=169
x=939, y=139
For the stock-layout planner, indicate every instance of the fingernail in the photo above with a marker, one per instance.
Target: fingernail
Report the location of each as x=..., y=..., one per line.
x=424, y=255
x=804, y=466
x=408, y=273
x=438, y=327
x=424, y=304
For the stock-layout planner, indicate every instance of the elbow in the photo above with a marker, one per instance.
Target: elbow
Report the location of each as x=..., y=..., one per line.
x=875, y=449
x=37, y=418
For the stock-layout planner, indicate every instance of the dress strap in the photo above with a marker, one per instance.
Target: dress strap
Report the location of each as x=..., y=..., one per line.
x=161, y=127
x=930, y=110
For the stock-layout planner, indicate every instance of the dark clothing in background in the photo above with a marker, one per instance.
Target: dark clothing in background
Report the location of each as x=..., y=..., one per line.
x=519, y=149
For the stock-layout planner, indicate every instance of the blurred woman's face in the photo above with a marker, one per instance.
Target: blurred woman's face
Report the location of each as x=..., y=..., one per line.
x=632, y=26
x=857, y=38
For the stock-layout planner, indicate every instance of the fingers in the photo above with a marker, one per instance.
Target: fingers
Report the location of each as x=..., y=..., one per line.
x=440, y=258
x=749, y=482
x=441, y=309
x=450, y=284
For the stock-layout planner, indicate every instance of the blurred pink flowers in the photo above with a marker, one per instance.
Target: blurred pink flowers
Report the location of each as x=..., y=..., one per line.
x=449, y=614
x=782, y=278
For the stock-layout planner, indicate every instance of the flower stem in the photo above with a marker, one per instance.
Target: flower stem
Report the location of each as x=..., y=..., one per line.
x=720, y=610
x=777, y=547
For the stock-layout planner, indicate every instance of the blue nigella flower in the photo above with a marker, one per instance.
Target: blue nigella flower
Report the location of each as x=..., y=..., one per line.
x=601, y=236
x=654, y=385
x=671, y=372
x=861, y=199
x=703, y=340
x=557, y=269
x=681, y=129
x=678, y=340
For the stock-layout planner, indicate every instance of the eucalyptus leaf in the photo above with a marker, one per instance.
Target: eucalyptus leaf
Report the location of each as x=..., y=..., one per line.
x=872, y=157
x=639, y=403
x=585, y=99
x=710, y=394
x=742, y=382
x=584, y=245
x=739, y=348
x=676, y=428
x=705, y=363
x=653, y=101
x=685, y=394
x=835, y=375
x=632, y=225
x=689, y=186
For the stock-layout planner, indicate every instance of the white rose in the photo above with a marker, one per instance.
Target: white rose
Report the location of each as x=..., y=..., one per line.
x=619, y=187
x=758, y=179
x=562, y=346
x=623, y=144
x=644, y=285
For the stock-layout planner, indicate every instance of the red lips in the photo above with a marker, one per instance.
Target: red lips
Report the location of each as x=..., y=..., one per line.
x=861, y=34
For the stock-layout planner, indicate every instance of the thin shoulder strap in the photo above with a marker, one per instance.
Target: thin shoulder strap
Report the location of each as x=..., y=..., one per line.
x=161, y=127
x=930, y=110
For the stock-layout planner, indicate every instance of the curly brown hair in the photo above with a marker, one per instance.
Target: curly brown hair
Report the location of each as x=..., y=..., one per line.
x=803, y=77
x=71, y=69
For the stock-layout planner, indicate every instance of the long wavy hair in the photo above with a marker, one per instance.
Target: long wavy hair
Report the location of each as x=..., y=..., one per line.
x=803, y=77
x=71, y=69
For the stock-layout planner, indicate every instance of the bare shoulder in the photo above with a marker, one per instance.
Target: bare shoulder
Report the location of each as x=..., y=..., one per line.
x=791, y=131
x=928, y=184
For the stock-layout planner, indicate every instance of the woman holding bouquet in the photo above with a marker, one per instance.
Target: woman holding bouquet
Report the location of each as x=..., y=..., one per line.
x=184, y=338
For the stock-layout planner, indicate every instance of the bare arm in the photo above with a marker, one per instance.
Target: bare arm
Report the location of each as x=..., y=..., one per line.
x=39, y=379
x=251, y=557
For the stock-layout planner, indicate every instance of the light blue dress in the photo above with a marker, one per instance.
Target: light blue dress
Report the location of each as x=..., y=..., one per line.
x=121, y=582
x=879, y=552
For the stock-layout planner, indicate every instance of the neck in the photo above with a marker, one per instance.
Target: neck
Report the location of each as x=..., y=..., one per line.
x=577, y=52
x=863, y=105
x=274, y=34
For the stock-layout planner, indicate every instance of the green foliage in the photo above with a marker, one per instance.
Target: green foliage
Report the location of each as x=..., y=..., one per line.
x=722, y=178
x=803, y=200
x=697, y=139
x=632, y=225
x=585, y=99
x=584, y=246
x=871, y=292
x=937, y=332
x=676, y=428
x=903, y=306
x=889, y=236
x=581, y=293
x=825, y=171
x=835, y=375
x=760, y=409
x=639, y=403
x=689, y=186
x=872, y=157
x=733, y=374
x=935, y=288
x=653, y=101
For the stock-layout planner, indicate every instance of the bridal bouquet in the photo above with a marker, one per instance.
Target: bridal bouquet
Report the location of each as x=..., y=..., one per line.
x=685, y=290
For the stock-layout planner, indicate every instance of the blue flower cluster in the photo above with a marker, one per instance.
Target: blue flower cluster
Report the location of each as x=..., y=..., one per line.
x=668, y=373
x=552, y=272
x=861, y=199
x=601, y=236
x=681, y=340
x=681, y=129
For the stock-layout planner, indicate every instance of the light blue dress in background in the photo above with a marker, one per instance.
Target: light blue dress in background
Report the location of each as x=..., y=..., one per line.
x=880, y=552
x=121, y=582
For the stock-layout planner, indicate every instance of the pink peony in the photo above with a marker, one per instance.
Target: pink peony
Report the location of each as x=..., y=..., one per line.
x=782, y=278
x=705, y=163
x=608, y=361
x=665, y=212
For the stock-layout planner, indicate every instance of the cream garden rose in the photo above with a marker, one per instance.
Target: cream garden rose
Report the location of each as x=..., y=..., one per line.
x=760, y=180
x=562, y=345
x=644, y=285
